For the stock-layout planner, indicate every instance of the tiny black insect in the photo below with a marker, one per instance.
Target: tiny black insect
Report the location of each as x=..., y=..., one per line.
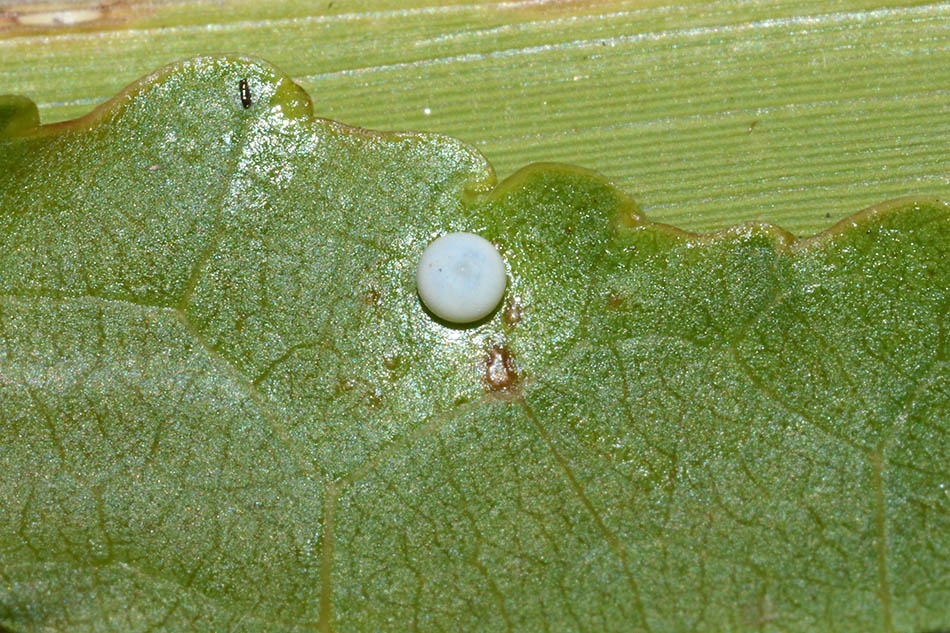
x=245, y=94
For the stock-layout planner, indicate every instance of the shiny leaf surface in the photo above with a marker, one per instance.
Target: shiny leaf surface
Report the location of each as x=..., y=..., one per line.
x=222, y=406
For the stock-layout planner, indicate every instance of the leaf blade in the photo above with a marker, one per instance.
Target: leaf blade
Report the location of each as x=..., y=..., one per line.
x=695, y=430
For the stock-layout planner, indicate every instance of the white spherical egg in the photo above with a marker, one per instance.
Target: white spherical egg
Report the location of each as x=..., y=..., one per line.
x=461, y=277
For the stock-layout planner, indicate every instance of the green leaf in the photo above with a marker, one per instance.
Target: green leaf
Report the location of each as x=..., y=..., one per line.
x=17, y=114
x=709, y=112
x=222, y=407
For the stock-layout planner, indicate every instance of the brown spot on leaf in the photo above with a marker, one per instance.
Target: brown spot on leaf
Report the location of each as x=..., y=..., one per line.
x=371, y=297
x=752, y=126
x=513, y=312
x=615, y=301
x=500, y=371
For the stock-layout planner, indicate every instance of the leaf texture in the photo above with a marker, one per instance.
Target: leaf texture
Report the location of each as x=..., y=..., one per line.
x=222, y=406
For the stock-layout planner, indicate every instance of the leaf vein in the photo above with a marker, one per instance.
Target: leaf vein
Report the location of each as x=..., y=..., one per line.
x=607, y=534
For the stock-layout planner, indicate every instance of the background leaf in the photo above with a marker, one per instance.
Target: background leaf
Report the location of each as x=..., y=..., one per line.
x=708, y=113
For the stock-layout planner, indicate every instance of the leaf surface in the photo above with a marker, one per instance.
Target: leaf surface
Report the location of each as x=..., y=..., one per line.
x=222, y=406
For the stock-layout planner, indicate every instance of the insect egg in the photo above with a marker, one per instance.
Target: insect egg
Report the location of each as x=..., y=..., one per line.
x=461, y=277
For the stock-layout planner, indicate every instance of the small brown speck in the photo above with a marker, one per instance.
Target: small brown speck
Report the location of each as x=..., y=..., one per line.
x=615, y=301
x=828, y=215
x=513, y=312
x=752, y=125
x=500, y=372
x=391, y=362
x=371, y=297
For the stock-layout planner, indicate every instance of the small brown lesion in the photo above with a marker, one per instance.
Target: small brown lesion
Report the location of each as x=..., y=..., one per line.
x=357, y=389
x=616, y=301
x=514, y=310
x=371, y=297
x=501, y=373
